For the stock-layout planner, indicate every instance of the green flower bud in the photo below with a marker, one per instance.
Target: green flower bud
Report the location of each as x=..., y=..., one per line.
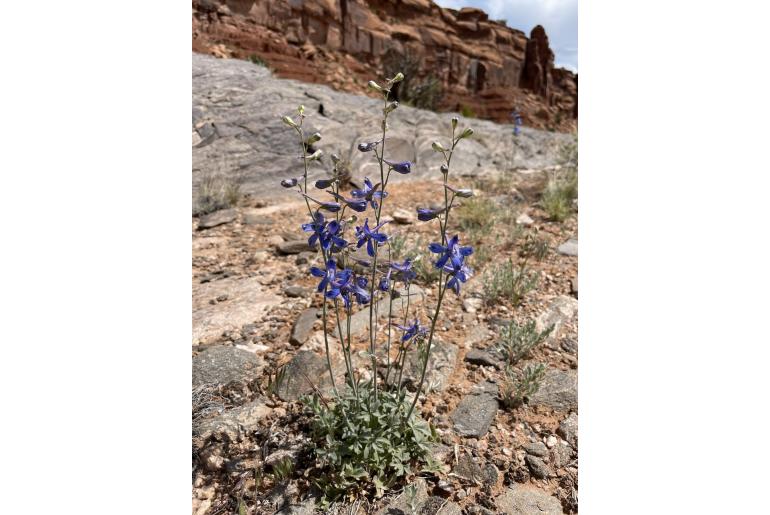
x=316, y=136
x=464, y=193
x=398, y=78
x=373, y=85
x=438, y=147
x=454, y=122
x=315, y=156
x=390, y=108
x=288, y=121
x=301, y=110
x=467, y=132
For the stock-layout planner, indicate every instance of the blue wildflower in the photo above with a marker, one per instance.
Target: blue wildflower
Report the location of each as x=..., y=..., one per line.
x=317, y=227
x=355, y=286
x=333, y=236
x=425, y=214
x=328, y=206
x=370, y=193
x=452, y=251
x=459, y=273
x=404, y=270
x=354, y=204
x=328, y=276
x=403, y=167
x=385, y=281
x=413, y=330
x=517, y=123
x=322, y=184
x=370, y=236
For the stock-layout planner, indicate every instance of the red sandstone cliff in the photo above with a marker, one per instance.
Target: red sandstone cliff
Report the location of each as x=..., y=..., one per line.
x=481, y=64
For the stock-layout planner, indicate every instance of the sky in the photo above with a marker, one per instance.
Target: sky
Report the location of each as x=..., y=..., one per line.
x=559, y=17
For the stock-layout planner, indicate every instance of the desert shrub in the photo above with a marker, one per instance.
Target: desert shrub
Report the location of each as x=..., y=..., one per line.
x=476, y=216
x=517, y=341
x=425, y=93
x=519, y=385
x=467, y=111
x=217, y=192
x=508, y=281
x=257, y=60
x=368, y=435
x=561, y=190
x=511, y=280
x=363, y=444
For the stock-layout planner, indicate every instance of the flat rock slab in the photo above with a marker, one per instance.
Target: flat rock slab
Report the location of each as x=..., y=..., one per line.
x=568, y=248
x=476, y=469
x=558, y=390
x=223, y=365
x=560, y=311
x=476, y=411
x=402, y=505
x=483, y=358
x=441, y=365
x=294, y=247
x=303, y=327
x=309, y=370
x=234, y=423
x=245, y=104
x=223, y=216
x=568, y=429
x=247, y=301
x=527, y=500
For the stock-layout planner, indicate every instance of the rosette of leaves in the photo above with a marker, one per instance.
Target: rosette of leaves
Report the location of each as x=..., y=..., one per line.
x=363, y=443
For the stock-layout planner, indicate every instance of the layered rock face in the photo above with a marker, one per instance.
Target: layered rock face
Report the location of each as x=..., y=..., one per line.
x=483, y=66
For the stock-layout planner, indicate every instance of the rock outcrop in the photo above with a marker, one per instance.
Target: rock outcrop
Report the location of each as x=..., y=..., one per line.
x=482, y=66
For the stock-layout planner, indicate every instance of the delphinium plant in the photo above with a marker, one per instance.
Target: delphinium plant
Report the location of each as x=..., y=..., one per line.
x=368, y=435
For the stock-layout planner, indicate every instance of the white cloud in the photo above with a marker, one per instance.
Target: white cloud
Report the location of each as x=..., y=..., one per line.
x=559, y=17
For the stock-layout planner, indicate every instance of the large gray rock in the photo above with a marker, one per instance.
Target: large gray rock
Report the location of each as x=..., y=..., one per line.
x=309, y=370
x=223, y=216
x=568, y=248
x=238, y=131
x=410, y=499
x=303, y=326
x=527, y=500
x=568, y=429
x=224, y=365
x=558, y=390
x=441, y=365
x=246, y=301
x=476, y=411
x=560, y=311
x=233, y=424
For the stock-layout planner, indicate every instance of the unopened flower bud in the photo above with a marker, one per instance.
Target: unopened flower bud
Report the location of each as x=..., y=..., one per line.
x=373, y=85
x=289, y=183
x=390, y=108
x=288, y=121
x=315, y=156
x=335, y=158
x=444, y=169
x=464, y=193
x=454, y=122
x=316, y=136
x=438, y=147
x=467, y=132
x=398, y=78
x=301, y=110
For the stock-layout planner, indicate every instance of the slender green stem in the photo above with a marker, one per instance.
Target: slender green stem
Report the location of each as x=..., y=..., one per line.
x=441, y=292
